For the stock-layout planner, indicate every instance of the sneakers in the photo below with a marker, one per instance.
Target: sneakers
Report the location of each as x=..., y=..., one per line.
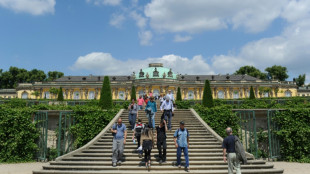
x=160, y=161
x=179, y=166
x=114, y=164
x=187, y=169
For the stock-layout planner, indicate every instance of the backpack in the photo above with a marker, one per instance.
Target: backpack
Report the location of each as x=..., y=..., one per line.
x=240, y=152
x=139, y=128
x=179, y=130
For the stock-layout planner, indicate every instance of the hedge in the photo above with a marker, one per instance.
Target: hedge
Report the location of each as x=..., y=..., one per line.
x=294, y=134
x=17, y=135
x=219, y=118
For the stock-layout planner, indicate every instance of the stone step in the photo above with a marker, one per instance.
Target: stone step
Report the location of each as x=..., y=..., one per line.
x=153, y=167
x=108, y=163
x=168, y=142
x=154, y=150
x=134, y=146
x=135, y=158
x=169, y=136
x=129, y=154
x=176, y=171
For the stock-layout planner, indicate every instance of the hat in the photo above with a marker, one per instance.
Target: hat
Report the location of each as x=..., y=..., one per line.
x=167, y=98
x=182, y=123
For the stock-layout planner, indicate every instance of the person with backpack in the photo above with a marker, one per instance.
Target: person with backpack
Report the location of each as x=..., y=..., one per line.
x=137, y=133
x=147, y=141
x=167, y=109
x=119, y=133
x=230, y=150
x=133, y=113
x=181, y=141
x=161, y=140
x=150, y=110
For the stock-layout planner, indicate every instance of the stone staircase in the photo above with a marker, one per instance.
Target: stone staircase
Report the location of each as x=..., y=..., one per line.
x=205, y=152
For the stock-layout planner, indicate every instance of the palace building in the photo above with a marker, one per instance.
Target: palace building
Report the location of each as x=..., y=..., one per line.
x=158, y=80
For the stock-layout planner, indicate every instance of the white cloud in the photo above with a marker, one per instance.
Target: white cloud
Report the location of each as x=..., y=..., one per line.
x=104, y=63
x=105, y=2
x=117, y=20
x=140, y=21
x=178, y=38
x=201, y=15
x=145, y=37
x=34, y=7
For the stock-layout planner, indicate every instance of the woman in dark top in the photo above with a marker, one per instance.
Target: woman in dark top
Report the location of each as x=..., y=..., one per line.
x=147, y=141
x=161, y=140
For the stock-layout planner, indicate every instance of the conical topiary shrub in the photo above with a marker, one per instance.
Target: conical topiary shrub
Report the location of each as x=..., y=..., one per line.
x=179, y=95
x=207, y=99
x=252, y=96
x=60, y=95
x=106, y=95
x=133, y=93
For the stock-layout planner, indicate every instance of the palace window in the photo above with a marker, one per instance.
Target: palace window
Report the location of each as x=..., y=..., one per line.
x=155, y=92
x=91, y=95
x=190, y=95
x=288, y=94
x=220, y=94
x=266, y=94
x=76, y=95
x=24, y=95
x=155, y=73
x=121, y=95
x=47, y=95
x=141, y=93
x=235, y=94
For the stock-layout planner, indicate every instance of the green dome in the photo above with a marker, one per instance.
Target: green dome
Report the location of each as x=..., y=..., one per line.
x=153, y=74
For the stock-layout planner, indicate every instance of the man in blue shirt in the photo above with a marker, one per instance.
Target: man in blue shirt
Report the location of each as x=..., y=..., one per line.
x=181, y=141
x=151, y=109
x=229, y=148
x=119, y=132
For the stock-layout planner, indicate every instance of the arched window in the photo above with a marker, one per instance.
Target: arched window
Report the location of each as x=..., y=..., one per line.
x=141, y=93
x=266, y=94
x=121, y=95
x=47, y=95
x=155, y=92
x=288, y=94
x=91, y=95
x=236, y=95
x=190, y=95
x=24, y=95
x=76, y=95
x=220, y=94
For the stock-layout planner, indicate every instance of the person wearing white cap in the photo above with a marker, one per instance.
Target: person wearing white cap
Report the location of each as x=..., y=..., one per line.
x=167, y=109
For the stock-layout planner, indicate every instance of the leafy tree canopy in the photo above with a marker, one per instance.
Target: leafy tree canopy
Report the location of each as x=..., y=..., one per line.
x=300, y=81
x=15, y=75
x=277, y=72
x=252, y=71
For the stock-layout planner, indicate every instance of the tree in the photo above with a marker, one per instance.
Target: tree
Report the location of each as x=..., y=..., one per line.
x=60, y=95
x=207, y=99
x=36, y=76
x=300, y=81
x=252, y=95
x=53, y=75
x=133, y=93
x=36, y=94
x=252, y=71
x=53, y=91
x=106, y=95
x=277, y=72
x=179, y=95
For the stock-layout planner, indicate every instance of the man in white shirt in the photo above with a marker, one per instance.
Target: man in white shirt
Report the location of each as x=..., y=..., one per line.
x=167, y=109
x=171, y=96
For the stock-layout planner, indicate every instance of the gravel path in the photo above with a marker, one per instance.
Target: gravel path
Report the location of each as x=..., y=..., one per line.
x=26, y=168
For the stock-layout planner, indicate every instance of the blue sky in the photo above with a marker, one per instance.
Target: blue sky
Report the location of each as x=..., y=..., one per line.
x=81, y=37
